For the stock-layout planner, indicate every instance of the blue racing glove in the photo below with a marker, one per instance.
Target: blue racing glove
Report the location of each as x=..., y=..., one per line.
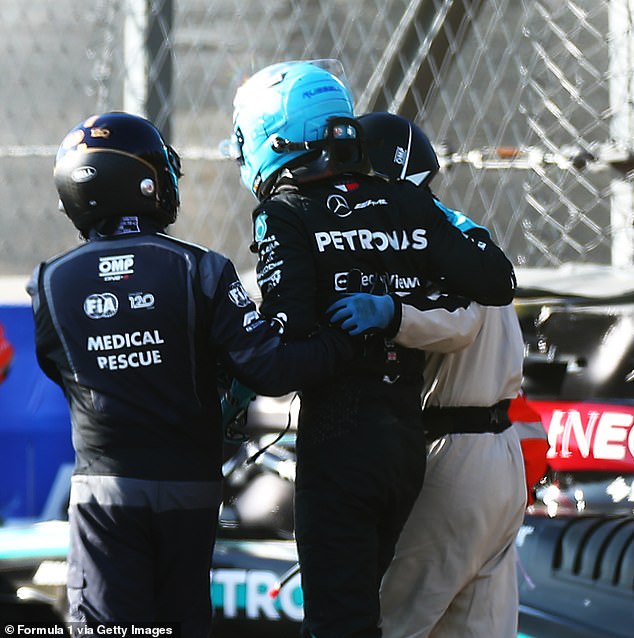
x=360, y=312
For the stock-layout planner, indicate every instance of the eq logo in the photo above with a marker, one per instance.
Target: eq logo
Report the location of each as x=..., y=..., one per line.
x=101, y=306
x=341, y=281
x=141, y=300
x=113, y=268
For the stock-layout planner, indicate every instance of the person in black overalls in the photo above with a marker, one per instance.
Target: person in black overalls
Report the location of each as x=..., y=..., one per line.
x=133, y=325
x=454, y=565
x=325, y=225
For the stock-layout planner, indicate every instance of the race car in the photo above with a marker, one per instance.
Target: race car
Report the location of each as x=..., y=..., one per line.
x=576, y=547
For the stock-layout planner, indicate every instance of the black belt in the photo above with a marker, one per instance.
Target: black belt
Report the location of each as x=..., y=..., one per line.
x=466, y=420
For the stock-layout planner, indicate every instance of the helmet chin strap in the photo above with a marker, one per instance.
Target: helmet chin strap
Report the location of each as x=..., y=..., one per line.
x=327, y=165
x=338, y=129
x=280, y=145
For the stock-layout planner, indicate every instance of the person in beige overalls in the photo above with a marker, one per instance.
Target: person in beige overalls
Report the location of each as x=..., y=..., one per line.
x=454, y=570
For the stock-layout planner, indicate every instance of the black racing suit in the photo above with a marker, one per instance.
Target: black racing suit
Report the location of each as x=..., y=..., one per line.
x=360, y=446
x=133, y=327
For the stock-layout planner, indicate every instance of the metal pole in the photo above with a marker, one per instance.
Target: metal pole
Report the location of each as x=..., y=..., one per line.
x=421, y=33
x=160, y=50
x=135, y=57
x=148, y=52
x=621, y=50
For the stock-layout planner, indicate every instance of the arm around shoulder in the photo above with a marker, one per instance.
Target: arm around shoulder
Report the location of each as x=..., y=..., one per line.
x=439, y=327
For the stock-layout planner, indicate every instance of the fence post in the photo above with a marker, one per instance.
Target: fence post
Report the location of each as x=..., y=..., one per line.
x=621, y=52
x=148, y=51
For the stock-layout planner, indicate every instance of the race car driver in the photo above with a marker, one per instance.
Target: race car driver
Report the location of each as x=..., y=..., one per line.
x=323, y=225
x=454, y=569
x=132, y=325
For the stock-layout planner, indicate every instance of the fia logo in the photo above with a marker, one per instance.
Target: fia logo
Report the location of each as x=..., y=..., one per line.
x=238, y=294
x=101, y=306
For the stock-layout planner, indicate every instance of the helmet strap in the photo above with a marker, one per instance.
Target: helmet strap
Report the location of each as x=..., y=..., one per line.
x=341, y=151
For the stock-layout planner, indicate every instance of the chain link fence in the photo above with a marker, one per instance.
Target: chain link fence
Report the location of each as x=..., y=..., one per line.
x=528, y=103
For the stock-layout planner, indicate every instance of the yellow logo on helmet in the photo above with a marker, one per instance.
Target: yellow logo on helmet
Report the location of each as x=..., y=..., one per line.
x=100, y=132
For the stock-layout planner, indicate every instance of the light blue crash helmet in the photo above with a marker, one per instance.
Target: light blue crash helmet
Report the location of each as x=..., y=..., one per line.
x=279, y=111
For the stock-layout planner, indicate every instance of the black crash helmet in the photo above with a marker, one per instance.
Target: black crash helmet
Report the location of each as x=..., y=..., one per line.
x=113, y=165
x=398, y=149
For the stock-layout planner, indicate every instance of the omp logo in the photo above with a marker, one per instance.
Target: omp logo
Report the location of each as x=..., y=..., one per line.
x=141, y=300
x=83, y=174
x=101, y=305
x=365, y=239
x=400, y=155
x=115, y=267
